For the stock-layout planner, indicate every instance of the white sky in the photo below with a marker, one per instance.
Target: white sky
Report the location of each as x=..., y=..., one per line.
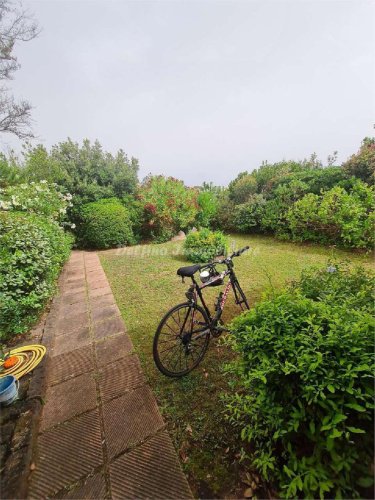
x=202, y=90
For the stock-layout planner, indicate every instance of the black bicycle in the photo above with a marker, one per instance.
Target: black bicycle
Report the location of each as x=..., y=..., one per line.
x=182, y=337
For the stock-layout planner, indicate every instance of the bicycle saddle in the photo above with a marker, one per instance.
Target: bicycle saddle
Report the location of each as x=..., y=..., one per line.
x=188, y=271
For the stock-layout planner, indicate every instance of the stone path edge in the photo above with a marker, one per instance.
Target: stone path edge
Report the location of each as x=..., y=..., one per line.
x=15, y=476
x=39, y=386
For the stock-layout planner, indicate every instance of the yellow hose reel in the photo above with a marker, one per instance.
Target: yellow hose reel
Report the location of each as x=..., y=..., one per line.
x=29, y=356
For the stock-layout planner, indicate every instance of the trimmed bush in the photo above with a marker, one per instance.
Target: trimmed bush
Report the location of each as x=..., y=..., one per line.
x=32, y=252
x=305, y=384
x=105, y=224
x=205, y=245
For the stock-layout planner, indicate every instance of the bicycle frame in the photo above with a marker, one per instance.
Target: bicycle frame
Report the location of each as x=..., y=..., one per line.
x=195, y=292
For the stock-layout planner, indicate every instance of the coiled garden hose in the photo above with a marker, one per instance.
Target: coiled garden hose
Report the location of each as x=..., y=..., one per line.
x=29, y=356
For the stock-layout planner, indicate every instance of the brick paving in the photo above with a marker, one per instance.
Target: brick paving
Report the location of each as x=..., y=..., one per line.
x=101, y=434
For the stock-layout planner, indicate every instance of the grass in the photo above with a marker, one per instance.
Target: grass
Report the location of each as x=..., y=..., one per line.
x=145, y=286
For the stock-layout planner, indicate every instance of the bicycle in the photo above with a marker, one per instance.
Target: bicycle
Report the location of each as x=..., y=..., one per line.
x=184, y=332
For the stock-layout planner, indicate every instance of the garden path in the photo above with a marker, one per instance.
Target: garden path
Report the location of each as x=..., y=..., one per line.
x=101, y=434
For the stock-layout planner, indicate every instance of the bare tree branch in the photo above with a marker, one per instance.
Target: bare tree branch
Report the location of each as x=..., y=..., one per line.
x=16, y=25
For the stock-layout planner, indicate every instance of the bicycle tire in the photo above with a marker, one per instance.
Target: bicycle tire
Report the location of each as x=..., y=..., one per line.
x=178, y=347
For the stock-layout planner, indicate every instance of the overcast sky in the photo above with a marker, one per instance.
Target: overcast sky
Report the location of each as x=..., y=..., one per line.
x=202, y=90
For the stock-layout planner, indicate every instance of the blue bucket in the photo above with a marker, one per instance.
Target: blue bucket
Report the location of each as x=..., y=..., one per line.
x=8, y=389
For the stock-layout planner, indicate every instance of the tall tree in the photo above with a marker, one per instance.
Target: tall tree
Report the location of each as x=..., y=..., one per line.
x=16, y=25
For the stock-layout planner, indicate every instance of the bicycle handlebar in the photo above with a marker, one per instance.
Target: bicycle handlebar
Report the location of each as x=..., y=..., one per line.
x=234, y=254
x=239, y=252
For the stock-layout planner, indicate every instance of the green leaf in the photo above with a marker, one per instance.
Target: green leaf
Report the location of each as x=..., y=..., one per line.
x=356, y=407
x=355, y=430
x=366, y=482
x=331, y=388
x=335, y=434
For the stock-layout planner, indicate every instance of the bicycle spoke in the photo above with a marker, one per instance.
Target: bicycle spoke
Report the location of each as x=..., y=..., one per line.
x=169, y=348
x=169, y=358
x=178, y=352
x=171, y=329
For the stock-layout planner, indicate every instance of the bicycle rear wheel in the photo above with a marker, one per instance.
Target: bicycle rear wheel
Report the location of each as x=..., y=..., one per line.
x=181, y=340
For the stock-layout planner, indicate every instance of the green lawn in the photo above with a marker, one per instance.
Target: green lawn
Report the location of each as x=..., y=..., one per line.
x=145, y=286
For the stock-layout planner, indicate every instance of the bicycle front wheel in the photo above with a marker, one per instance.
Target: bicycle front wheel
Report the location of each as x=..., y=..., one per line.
x=181, y=340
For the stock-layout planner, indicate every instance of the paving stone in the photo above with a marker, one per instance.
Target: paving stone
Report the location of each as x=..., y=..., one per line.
x=104, y=300
x=71, y=364
x=102, y=313
x=72, y=287
x=149, y=471
x=113, y=348
x=96, y=272
x=69, y=324
x=75, y=281
x=98, y=292
x=73, y=298
x=93, y=487
x=67, y=290
x=71, y=341
x=94, y=268
x=71, y=310
x=101, y=283
x=130, y=419
x=76, y=273
x=120, y=376
x=108, y=327
x=70, y=398
x=66, y=454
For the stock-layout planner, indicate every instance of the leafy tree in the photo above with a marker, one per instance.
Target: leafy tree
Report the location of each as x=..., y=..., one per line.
x=268, y=175
x=38, y=165
x=16, y=25
x=242, y=187
x=91, y=173
x=362, y=164
x=10, y=172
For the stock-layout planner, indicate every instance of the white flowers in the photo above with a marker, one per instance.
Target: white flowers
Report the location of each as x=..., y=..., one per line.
x=73, y=226
x=41, y=198
x=5, y=205
x=331, y=269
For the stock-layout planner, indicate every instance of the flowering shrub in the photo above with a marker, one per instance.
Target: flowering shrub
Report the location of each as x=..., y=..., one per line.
x=169, y=206
x=32, y=252
x=38, y=198
x=205, y=245
x=305, y=384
